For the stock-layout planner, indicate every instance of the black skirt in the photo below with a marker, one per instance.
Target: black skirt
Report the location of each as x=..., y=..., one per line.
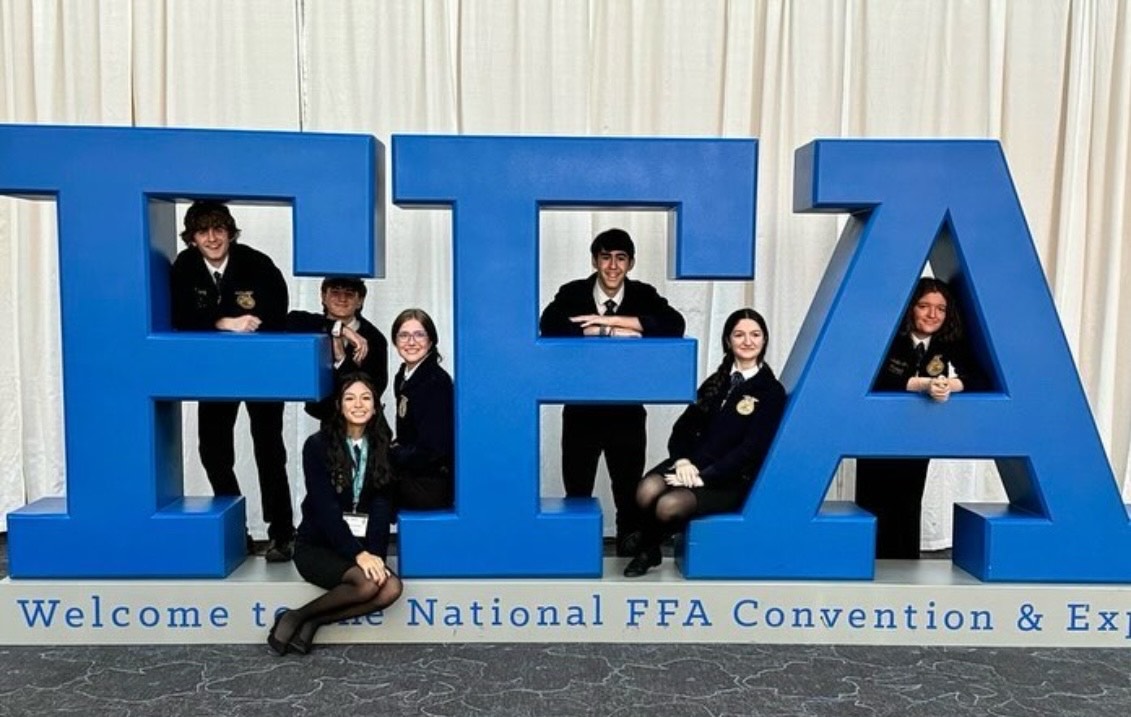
x=319, y=565
x=725, y=497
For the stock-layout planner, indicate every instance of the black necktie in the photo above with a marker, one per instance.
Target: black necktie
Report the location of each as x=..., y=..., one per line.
x=736, y=380
x=610, y=307
x=920, y=353
x=356, y=456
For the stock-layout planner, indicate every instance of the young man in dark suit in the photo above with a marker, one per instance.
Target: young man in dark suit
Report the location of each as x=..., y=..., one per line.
x=357, y=344
x=219, y=285
x=608, y=303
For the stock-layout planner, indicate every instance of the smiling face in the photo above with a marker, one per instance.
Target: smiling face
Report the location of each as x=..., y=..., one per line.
x=214, y=243
x=341, y=303
x=929, y=313
x=747, y=342
x=413, y=343
x=612, y=268
x=358, y=407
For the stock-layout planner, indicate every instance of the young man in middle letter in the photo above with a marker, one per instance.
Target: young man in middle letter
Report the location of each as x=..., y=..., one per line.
x=608, y=303
x=357, y=344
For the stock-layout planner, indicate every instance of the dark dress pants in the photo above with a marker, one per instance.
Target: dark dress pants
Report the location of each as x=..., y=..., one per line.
x=892, y=490
x=619, y=433
x=417, y=492
x=216, y=424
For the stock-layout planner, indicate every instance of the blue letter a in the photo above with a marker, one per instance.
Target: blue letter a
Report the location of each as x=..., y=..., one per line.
x=1036, y=423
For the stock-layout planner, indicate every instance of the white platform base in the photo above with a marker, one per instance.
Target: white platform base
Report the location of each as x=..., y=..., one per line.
x=928, y=602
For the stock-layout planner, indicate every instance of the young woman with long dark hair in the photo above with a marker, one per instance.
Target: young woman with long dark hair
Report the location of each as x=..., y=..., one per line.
x=719, y=443
x=344, y=534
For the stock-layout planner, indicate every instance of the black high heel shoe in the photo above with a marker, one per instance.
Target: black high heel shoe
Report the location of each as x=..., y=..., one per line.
x=647, y=558
x=277, y=646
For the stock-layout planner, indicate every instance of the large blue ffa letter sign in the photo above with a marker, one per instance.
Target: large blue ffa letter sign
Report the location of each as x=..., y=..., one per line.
x=125, y=507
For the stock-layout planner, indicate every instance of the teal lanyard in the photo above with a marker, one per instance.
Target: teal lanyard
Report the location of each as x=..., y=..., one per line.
x=360, y=452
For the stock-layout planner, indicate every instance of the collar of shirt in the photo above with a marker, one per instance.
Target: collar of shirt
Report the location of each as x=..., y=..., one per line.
x=748, y=374
x=213, y=269
x=925, y=342
x=600, y=297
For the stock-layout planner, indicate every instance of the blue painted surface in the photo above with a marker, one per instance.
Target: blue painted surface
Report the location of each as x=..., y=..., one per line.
x=124, y=370
x=1036, y=423
x=495, y=187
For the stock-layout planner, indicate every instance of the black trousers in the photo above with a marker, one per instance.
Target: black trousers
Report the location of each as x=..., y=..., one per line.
x=418, y=492
x=892, y=490
x=618, y=432
x=217, y=420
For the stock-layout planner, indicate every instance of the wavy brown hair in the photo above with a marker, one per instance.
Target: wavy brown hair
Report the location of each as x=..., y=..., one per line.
x=951, y=329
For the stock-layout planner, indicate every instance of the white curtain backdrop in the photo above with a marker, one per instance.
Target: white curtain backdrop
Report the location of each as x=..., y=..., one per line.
x=1050, y=79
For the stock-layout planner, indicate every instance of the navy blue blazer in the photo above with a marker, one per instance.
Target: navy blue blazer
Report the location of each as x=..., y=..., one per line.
x=375, y=363
x=728, y=440
x=252, y=284
x=425, y=440
x=901, y=364
x=641, y=300
x=324, y=505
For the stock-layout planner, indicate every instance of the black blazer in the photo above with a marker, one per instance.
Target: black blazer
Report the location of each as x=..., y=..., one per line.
x=728, y=440
x=641, y=300
x=323, y=507
x=374, y=364
x=425, y=408
x=252, y=285
x=901, y=364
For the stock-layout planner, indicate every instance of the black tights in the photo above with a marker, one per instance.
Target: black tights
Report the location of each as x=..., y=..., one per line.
x=666, y=509
x=356, y=595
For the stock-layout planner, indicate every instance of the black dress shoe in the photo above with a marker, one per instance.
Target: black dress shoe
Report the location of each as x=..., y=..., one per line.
x=639, y=565
x=629, y=545
x=280, y=551
x=277, y=646
x=303, y=640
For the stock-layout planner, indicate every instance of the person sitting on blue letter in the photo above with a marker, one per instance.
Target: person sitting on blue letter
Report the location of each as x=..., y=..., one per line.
x=344, y=534
x=929, y=356
x=219, y=285
x=718, y=444
x=422, y=453
x=357, y=344
x=608, y=303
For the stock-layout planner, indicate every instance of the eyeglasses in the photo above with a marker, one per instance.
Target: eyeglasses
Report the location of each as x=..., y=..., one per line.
x=417, y=336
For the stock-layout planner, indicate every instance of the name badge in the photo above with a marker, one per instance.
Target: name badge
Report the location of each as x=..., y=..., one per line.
x=357, y=522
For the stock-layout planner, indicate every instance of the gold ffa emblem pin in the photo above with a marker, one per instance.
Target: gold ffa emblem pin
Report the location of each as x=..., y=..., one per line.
x=245, y=299
x=746, y=405
x=936, y=366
